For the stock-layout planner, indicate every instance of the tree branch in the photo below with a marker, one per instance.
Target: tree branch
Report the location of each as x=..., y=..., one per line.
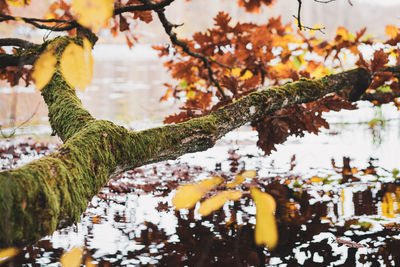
x=53, y=191
x=17, y=42
x=71, y=24
x=168, y=26
x=144, y=7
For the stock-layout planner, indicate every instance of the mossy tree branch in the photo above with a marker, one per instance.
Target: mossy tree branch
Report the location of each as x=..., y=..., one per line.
x=52, y=192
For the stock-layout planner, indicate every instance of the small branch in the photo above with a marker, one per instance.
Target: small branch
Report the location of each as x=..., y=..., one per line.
x=16, y=60
x=17, y=42
x=36, y=22
x=145, y=7
x=298, y=18
x=168, y=26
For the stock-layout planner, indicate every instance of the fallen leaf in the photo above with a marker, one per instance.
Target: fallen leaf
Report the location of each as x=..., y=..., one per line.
x=217, y=201
x=72, y=258
x=188, y=195
x=8, y=253
x=266, y=232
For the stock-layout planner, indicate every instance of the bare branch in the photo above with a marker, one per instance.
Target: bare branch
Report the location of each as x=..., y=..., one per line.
x=145, y=7
x=168, y=27
x=70, y=24
x=17, y=42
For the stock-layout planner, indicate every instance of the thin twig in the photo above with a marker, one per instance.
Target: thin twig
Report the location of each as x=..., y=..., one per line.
x=17, y=42
x=36, y=22
x=298, y=18
x=144, y=7
x=168, y=27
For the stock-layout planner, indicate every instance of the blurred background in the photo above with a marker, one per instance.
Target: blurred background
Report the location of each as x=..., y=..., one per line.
x=128, y=83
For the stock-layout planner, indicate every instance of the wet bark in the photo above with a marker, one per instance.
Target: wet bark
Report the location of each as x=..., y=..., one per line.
x=52, y=192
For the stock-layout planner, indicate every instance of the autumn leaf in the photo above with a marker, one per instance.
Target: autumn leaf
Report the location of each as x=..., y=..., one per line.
x=188, y=195
x=8, y=253
x=266, y=232
x=238, y=180
x=18, y=2
x=391, y=31
x=93, y=13
x=217, y=201
x=76, y=64
x=72, y=258
x=44, y=68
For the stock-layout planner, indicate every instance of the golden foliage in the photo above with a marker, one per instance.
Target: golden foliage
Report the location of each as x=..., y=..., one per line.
x=43, y=69
x=76, y=64
x=266, y=232
x=93, y=13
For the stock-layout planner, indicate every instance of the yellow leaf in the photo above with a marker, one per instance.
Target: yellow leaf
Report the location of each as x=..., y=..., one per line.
x=391, y=31
x=217, y=201
x=72, y=258
x=316, y=179
x=17, y=2
x=44, y=68
x=249, y=174
x=8, y=253
x=191, y=94
x=187, y=195
x=266, y=232
x=76, y=65
x=315, y=28
x=343, y=32
x=238, y=180
x=93, y=13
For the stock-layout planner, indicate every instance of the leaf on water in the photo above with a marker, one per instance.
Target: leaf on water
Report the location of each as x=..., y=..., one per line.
x=8, y=253
x=266, y=232
x=249, y=174
x=43, y=69
x=72, y=258
x=238, y=180
x=76, y=64
x=93, y=13
x=217, y=201
x=188, y=195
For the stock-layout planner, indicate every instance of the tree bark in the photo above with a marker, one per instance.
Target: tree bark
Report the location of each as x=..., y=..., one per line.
x=52, y=192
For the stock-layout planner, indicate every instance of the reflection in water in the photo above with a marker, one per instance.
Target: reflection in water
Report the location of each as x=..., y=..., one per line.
x=322, y=220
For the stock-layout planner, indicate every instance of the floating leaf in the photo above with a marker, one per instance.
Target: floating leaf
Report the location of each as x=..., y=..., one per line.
x=44, y=68
x=72, y=258
x=266, y=232
x=217, y=201
x=238, y=180
x=187, y=195
x=249, y=174
x=77, y=64
x=93, y=13
x=8, y=253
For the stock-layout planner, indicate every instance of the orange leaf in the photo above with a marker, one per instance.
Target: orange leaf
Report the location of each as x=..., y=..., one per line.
x=391, y=31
